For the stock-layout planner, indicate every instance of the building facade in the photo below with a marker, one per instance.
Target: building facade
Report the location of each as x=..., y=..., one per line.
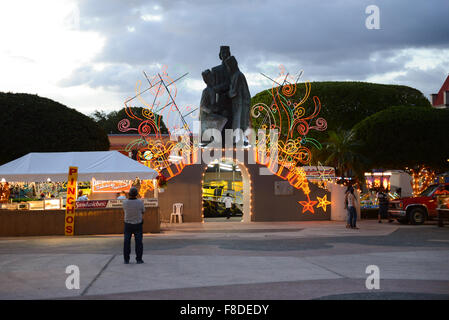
x=441, y=99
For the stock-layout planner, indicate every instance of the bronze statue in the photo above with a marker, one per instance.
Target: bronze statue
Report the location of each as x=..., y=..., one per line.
x=210, y=116
x=225, y=102
x=221, y=84
x=239, y=94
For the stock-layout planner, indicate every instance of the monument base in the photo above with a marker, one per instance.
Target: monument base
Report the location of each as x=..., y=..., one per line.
x=267, y=197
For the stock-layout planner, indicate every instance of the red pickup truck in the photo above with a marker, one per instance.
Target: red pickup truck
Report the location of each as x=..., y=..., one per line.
x=417, y=209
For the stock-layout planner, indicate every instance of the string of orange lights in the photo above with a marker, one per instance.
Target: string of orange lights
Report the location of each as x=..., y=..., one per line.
x=293, y=145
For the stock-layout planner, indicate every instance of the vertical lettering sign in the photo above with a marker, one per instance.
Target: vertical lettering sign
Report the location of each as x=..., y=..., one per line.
x=71, y=201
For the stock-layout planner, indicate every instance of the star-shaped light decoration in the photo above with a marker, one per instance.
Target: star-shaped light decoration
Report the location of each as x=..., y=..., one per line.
x=307, y=205
x=323, y=203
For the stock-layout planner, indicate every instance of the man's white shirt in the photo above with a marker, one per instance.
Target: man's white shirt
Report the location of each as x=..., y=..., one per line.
x=228, y=202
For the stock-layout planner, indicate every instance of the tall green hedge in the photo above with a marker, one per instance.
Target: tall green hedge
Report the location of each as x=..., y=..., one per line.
x=30, y=123
x=109, y=121
x=406, y=136
x=344, y=104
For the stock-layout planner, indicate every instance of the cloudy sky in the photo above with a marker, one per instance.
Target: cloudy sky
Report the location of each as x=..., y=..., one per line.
x=89, y=54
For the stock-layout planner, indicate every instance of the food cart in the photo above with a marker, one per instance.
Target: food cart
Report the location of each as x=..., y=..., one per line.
x=102, y=214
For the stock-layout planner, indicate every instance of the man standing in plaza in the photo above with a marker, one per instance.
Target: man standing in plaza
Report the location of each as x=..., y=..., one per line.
x=134, y=210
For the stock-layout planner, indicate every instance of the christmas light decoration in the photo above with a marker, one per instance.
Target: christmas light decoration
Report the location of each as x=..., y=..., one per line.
x=307, y=205
x=292, y=118
x=323, y=202
x=422, y=177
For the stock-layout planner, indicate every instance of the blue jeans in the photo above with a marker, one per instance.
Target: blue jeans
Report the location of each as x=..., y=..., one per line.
x=352, y=217
x=137, y=230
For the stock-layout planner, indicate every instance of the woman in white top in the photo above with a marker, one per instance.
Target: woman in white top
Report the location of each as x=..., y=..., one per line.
x=350, y=201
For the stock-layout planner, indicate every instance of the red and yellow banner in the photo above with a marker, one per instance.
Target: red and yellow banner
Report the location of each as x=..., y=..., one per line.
x=71, y=201
x=111, y=186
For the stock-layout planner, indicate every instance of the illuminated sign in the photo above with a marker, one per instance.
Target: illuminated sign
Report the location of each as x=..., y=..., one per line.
x=71, y=201
x=98, y=204
x=111, y=186
x=91, y=204
x=317, y=172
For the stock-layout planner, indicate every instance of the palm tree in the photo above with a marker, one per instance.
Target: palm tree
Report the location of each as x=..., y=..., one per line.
x=341, y=151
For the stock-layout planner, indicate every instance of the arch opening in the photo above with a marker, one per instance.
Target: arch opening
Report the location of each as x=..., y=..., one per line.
x=220, y=178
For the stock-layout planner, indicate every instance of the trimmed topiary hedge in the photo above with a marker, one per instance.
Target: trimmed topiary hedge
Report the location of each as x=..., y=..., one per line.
x=109, y=121
x=344, y=104
x=406, y=136
x=30, y=123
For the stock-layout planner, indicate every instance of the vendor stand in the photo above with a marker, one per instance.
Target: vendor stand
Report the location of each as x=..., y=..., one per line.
x=95, y=216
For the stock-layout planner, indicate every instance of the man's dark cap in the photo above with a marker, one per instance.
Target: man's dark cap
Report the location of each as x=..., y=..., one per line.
x=224, y=48
x=133, y=192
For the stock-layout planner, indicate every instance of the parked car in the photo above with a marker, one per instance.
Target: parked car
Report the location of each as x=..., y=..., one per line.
x=418, y=209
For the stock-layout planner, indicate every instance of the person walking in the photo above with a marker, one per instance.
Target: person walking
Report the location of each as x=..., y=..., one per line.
x=348, y=222
x=134, y=210
x=350, y=201
x=228, y=204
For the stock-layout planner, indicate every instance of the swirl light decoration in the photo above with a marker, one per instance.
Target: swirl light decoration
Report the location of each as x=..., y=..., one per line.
x=161, y=155
x=293, y=122
x=291, y=118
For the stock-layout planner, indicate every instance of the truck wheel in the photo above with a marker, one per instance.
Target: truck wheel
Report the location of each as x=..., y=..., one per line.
x=417, y=216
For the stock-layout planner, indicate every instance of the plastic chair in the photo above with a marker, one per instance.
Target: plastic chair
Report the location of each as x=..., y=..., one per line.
x=177, y=212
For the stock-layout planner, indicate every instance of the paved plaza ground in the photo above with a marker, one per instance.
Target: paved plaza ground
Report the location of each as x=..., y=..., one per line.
x=233, y=260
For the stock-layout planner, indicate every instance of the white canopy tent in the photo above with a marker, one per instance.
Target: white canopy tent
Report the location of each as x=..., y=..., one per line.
x=101, y=165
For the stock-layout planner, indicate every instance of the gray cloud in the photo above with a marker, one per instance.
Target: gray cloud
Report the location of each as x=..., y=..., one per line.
x=327, y=39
